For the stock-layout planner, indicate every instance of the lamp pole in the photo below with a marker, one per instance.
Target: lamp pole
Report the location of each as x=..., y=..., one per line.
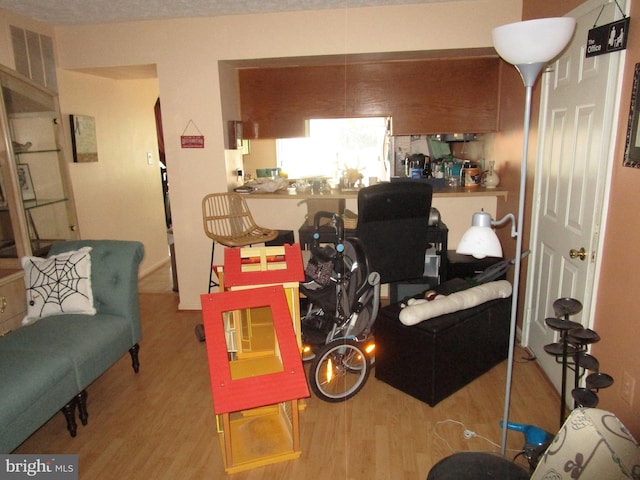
x=529, y=46
x=529, y=74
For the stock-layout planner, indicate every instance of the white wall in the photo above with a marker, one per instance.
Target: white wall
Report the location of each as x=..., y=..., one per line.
x=186, y=52
x=120, y=195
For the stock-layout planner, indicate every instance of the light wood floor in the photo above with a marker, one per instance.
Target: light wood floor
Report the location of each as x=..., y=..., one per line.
x=159, y=424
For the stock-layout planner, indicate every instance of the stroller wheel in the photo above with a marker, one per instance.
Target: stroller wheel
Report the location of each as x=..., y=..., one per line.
x=339, y=370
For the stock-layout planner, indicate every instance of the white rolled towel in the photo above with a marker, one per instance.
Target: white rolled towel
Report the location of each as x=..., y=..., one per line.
x=420, y=310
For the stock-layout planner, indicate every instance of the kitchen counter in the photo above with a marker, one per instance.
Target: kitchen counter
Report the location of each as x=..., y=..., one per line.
x=353, y=194
x=285, y=211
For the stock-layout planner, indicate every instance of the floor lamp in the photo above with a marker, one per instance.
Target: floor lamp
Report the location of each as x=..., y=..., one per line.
x=529, y=46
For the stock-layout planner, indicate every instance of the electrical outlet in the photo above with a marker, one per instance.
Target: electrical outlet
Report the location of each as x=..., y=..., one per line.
x=627, y=388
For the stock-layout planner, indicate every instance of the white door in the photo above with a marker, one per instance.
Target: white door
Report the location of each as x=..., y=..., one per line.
x=579, y=99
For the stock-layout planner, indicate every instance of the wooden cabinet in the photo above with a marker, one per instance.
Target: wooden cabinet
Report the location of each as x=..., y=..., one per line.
x=422, y=96
x=36, y=202
x=12, y=300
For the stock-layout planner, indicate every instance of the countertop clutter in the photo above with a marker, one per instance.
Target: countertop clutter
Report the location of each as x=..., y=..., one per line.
x=353, y=193
x=281, y=187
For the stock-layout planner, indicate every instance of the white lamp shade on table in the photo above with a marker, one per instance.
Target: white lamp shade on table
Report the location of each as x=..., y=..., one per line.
x=480, y=240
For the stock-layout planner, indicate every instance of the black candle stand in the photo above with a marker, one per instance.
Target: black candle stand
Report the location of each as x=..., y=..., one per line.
x=571, y=352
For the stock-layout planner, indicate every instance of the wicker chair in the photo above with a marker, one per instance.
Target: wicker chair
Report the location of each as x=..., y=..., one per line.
x=227, y=220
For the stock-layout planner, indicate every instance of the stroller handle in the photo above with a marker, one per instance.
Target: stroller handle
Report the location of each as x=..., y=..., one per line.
x=337, y=221
x=339, y=245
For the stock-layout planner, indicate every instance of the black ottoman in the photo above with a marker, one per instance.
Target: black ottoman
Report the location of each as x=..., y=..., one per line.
x=465, y=266
x=477, y=466
x=437, y=357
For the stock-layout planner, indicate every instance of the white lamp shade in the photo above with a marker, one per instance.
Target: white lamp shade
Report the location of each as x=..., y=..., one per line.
x=480, y=240
x=533, y=41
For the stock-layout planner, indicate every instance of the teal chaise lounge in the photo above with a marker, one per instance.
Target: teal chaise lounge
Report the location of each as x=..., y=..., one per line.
x=46, y=367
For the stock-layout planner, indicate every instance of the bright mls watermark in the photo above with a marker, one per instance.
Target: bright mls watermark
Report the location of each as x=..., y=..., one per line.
x=51, y=467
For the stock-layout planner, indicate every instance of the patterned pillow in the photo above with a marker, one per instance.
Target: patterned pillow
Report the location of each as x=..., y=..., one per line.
x=58, y=284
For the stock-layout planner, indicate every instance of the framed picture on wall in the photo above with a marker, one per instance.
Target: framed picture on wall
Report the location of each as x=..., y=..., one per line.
x=26, y=184
x=83, y=138
x=632, y=144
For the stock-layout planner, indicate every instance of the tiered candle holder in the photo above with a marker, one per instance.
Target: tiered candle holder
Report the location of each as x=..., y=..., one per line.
x=571, y=352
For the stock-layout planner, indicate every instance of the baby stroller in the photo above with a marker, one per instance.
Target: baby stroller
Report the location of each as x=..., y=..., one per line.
x=343, y=302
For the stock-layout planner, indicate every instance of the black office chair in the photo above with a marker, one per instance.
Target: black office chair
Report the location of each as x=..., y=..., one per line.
x=392, y=224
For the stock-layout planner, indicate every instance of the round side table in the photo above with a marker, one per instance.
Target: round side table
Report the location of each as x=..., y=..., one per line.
x=477, y=466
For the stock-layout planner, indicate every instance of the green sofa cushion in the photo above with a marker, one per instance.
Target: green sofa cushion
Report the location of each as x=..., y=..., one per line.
x=35, y=385
x=91, y=343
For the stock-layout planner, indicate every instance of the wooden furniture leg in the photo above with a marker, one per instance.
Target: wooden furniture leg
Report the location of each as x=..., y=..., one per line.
x=135, y=363
x=69, y=411
x=83, y=413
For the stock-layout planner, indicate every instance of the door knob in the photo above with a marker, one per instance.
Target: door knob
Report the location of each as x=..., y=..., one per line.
x=581, y=254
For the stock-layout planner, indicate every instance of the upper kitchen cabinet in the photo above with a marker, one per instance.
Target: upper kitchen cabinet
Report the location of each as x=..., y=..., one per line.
x=36, y=202
x=422, y=96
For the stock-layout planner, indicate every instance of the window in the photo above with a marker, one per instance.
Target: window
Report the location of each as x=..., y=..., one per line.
x=335, y=145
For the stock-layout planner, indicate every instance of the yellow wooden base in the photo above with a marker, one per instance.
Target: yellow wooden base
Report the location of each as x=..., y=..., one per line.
x=259, y=437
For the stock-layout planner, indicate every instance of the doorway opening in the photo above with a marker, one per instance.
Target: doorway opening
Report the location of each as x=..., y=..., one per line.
x=164, y=178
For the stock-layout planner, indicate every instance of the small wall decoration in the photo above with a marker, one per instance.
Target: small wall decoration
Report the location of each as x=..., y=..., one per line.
x=26, y=184
x=608, y=38
x=83, y=138
x=192, y=141
x=632, y=144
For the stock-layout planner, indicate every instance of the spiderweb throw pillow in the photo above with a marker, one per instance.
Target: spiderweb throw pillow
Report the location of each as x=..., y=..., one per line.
x=58, y=284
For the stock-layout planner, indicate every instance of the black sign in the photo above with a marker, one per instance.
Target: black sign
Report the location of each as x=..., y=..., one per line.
x=608, y=38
